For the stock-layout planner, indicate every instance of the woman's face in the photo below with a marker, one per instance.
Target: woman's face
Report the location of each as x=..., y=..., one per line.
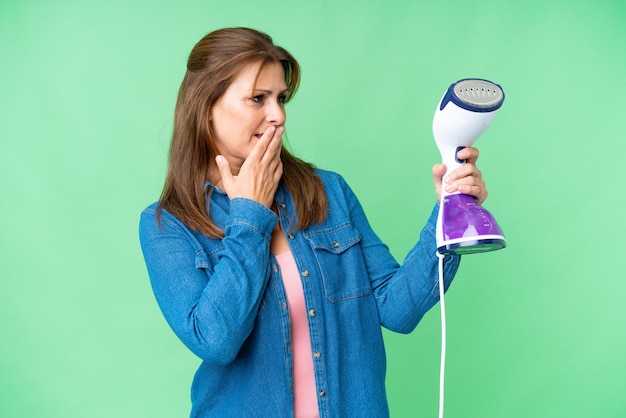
x=246, y=110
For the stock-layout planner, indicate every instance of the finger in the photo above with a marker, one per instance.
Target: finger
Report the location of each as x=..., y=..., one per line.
x=278, y=172
x=471, y=184
x=469, y=154
x=465, y=170
x=438, y=171
x=272, y=152
x=479, y=192
x=224, y=169
x=271, y=158
x=259, y=149
x=274, y=163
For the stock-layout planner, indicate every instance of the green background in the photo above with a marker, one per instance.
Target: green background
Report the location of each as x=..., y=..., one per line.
x=87, y=95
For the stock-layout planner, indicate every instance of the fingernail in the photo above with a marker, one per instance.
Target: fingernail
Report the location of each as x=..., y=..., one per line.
x=219, y=159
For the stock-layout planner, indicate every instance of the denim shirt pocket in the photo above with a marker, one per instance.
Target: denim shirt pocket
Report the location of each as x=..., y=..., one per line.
x=339, y=257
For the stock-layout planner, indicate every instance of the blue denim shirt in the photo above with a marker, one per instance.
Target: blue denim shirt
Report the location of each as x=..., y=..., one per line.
x=225, y=300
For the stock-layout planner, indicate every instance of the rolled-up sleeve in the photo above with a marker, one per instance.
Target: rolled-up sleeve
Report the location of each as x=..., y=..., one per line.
x=210, y=295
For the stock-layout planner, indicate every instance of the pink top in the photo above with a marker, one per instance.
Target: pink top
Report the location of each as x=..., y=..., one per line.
x=303, y=374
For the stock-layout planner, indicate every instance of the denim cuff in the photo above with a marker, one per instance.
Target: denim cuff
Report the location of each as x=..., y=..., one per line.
x=253, y=214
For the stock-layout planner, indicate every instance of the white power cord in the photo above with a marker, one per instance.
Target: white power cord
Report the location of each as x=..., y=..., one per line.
x=443, y=335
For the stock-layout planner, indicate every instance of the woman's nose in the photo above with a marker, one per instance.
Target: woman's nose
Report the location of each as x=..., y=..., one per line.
x=276, y=114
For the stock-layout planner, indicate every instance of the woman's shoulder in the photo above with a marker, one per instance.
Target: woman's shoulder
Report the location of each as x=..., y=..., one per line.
x=335, y=186
x=329, y=177
x=155, y=217
x=152, y=211
x=151, y=208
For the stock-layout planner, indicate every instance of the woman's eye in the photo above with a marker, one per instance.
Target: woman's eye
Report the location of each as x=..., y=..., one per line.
x=281, y=98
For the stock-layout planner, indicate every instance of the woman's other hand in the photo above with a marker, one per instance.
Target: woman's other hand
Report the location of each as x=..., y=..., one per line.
x=465, y=179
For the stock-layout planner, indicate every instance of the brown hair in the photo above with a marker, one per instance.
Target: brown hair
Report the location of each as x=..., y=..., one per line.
x=213, y=64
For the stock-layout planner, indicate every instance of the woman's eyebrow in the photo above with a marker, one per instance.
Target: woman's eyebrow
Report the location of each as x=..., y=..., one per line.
x=270, y=91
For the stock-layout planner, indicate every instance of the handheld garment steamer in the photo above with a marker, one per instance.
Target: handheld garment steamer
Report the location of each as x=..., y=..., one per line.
x=463, y=226
x=464, y=113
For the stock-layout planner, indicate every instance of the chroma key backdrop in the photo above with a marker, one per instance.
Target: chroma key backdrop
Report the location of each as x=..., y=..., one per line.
x=88, y=89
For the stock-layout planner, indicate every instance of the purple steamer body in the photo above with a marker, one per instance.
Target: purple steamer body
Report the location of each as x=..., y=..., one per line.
x=463, y=217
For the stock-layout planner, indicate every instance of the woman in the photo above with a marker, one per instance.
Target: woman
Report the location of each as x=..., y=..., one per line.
x=267, y=268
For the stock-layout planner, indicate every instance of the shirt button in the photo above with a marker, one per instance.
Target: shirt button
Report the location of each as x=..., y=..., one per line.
x=282, y=205
x=291, y=236
x=284, y=306
x=322, y=393
x=312, y=312
x=335, y=244
x=305, y=273
x=275, y=267
x=317, y=354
